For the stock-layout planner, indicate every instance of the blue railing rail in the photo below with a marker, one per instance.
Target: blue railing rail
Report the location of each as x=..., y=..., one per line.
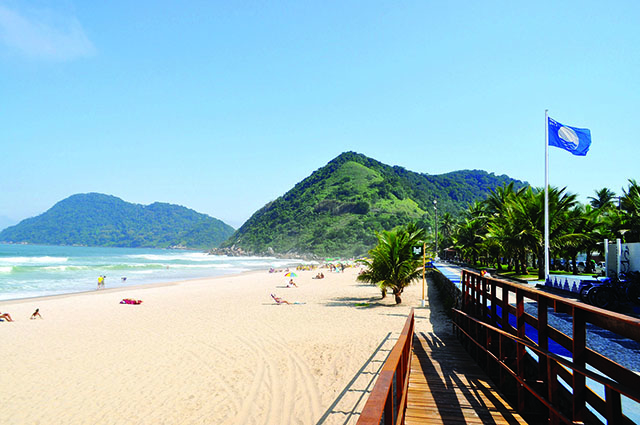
x=388, y=398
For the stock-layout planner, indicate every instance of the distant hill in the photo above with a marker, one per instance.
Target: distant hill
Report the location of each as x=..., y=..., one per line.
x=338, y=208
x=94, y=219
x=6, y=222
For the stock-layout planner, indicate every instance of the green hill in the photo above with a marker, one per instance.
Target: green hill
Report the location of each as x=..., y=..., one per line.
x=338, y=208
x=95, y=219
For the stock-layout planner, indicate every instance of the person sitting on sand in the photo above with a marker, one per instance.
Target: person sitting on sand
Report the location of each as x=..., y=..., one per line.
x=8, y=318
x=36, y=314
x=291, y=283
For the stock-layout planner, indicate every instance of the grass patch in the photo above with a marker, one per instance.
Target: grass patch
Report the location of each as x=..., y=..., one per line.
x=532, y=274
x=514, y=275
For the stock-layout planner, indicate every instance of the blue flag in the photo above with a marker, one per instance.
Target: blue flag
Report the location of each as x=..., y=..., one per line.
x=572, y=139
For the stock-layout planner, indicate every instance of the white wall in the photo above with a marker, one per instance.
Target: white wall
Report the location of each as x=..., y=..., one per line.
x=629, y=258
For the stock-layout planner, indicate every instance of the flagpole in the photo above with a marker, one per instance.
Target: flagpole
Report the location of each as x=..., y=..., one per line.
x=546, y=195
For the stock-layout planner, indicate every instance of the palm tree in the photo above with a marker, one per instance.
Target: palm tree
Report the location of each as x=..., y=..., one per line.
x=501, y=238
x=446, y=225
x=468, y=238
x=603, y=199
x=391, y=264
x=579, y=238
x=529, y=218
x=630, y=206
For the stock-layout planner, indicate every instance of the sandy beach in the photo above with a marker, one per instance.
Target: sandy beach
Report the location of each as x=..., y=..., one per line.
x=207, y=351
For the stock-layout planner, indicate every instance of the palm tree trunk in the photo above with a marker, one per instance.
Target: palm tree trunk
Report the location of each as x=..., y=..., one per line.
x=541, y=266
x=523, y=262
x=396, y=293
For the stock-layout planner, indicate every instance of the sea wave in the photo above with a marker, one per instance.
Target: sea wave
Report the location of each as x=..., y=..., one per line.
x=33, y=260
x=151, y=267
x=188, y=256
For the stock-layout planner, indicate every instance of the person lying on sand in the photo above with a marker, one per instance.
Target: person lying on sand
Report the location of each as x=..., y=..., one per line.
x=36, y=314
x=6, y=316
x=130, y=301
x=279, y=300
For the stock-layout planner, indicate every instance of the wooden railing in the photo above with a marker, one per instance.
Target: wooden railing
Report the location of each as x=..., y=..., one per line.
x=544, y=385
x=388, y=398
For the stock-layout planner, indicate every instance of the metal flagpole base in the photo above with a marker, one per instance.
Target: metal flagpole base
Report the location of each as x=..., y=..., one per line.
x=422, y=303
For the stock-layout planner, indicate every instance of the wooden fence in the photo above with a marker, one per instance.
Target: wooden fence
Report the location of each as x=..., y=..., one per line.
x=388, y=398
x=549, y=376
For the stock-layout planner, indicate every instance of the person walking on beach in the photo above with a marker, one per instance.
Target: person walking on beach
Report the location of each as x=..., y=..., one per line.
x=101, y=282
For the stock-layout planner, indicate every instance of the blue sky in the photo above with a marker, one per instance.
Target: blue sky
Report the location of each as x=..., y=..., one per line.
x=223, y=106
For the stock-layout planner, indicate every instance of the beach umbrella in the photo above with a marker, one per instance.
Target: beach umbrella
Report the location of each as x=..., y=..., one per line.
x=291, y=274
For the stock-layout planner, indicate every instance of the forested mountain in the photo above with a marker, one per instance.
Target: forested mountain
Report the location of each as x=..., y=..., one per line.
x=94, y=219
x=338, y=208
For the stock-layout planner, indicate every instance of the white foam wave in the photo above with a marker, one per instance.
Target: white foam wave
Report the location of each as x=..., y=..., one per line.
x=59, y=268
x=6, y=269
x=182, y=256
x=152, y=257
x=33, y=260
x=204, y=266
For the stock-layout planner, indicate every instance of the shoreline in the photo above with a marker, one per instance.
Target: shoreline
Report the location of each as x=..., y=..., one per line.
x=121, y=288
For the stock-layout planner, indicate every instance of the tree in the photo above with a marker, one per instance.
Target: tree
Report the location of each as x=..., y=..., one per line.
x=630, y=205
x=528, y=210
x=603, y=199
x=391, y=264
x=502, y=237
x=468, y=238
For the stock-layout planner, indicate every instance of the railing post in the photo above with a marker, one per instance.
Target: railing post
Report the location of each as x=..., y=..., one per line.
x=520, y=349
x=579, y=354
x=614, y=406
x=552, y=388
x=388, y=407
x=543, y=337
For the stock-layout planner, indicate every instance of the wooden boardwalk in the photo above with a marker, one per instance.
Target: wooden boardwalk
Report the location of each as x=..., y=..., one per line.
x=447, y=387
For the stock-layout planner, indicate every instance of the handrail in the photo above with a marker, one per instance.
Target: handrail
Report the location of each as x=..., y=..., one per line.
x=499, y=345
x=383, y=401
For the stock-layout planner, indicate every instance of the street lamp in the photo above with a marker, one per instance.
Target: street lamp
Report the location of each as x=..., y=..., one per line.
x=435, y=206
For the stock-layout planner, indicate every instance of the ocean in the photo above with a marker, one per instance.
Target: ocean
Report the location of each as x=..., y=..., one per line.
x=35, y=270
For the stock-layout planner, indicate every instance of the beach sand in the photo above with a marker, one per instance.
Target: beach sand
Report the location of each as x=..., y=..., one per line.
x=207, y=351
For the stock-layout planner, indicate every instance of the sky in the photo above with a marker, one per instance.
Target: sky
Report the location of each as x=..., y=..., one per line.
x=222, y=106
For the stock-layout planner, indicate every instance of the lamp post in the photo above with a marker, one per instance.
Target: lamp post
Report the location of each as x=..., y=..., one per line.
x=435, y=206
x=424, y=263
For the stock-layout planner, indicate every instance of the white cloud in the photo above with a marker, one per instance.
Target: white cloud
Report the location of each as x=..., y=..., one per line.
x=44, y=34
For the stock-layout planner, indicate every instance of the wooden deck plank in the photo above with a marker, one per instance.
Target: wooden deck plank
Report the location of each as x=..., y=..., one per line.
x=447, y=387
